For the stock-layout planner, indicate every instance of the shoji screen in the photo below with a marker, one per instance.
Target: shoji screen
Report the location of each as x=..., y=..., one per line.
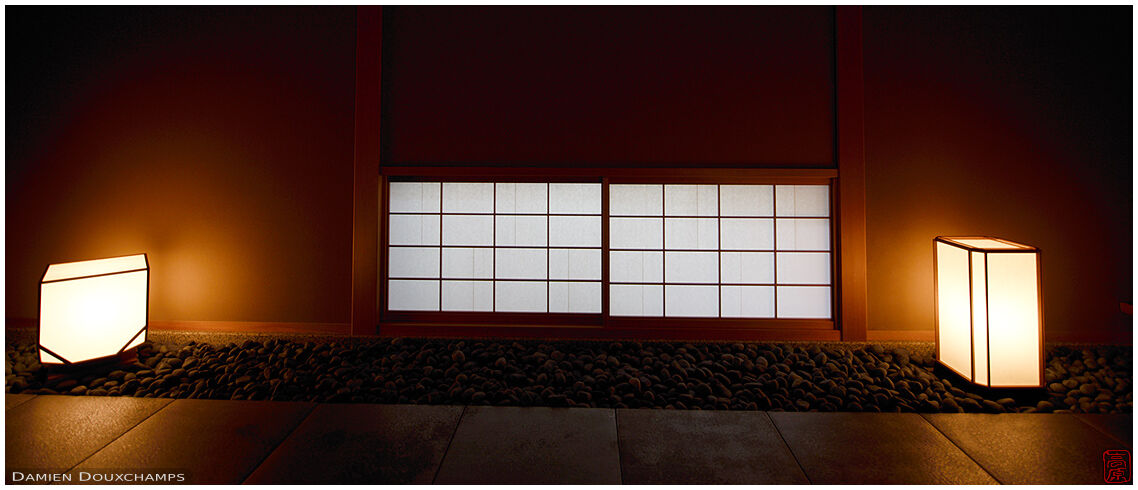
x=754, y=251
x=502, y=247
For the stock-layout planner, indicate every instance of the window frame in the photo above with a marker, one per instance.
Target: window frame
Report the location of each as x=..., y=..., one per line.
x=441, y=322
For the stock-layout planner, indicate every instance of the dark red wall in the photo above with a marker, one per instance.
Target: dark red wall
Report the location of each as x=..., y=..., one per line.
x=1013, y=122
x=218, y=140
x=720, y=86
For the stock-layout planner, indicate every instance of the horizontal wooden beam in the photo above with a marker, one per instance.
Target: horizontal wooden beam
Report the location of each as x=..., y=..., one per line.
x=615, y=175
x=254, y=327
x=608, y=333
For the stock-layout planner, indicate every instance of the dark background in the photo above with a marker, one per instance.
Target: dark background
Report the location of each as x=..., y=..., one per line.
x=220, y=140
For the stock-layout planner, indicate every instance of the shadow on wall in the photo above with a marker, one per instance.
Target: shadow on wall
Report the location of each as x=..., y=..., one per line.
x=1013, y=122
x=218, y=141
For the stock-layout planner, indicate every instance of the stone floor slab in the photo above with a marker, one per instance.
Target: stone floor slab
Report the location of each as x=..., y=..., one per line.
x=1117, y=425
x=534, y=445
x=212, y=441
x=703, y=447
x=874, y=448
x=363, y=444
x=12, y=400
x=1029, y=448
x=52, y=433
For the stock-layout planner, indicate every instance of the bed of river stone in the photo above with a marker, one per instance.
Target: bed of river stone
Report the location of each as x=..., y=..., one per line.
x=793, y=376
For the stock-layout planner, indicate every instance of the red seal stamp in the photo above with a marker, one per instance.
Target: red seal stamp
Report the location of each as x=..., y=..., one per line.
x=1116, y=466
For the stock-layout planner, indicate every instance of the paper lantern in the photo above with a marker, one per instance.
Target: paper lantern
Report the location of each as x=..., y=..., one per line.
x=989, y=311
x=93, y=309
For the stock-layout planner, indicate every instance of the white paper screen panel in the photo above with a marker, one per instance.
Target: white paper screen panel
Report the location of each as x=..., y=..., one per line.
x=468, y=263
x=574, y=297
x=747, y=267
x=691, y=200
x=414, y=197
x=520, y=263
x=636, y=200
x=575, y=199
x=691, y=301
x=747, y=243
x=520, y=296
x=467, y=230
x=485, y=246
x=691, y=233
x=520, y=230
x=636, y=267
x=747, y=233
x=575, y=231
x=636, y=300
x=468, y=296
x=803, y=234
x=701, y=267
x=413, y=295
x=463, y=197
x=747, y=301
x=408, y=262
x=803, y=301
x=574, y=263
x=803, y=267
x=413, y=229
x=746, y=200
x=636, y=233
x=802, y=200
x=521, y=198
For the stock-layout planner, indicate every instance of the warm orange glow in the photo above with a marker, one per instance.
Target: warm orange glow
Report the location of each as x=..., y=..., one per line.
x=989, y=324
x=93, y=308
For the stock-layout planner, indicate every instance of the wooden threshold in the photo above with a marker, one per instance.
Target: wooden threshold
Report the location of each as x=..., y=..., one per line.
x=396, y=329
x=606, y=333
x=254, y=327
x=900, y=335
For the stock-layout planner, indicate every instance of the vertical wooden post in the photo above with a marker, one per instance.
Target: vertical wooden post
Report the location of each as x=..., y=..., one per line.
x=365, y=207
x=850, y=152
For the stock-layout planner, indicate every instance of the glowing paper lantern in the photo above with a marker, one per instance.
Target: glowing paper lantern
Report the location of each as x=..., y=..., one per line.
x=93, y=309
x=989, y=317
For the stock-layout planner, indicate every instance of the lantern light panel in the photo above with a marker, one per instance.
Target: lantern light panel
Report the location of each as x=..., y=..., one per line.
x=989, y=317
x=93, y=309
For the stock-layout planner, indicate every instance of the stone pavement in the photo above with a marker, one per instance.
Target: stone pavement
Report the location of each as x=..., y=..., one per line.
x=117, y=439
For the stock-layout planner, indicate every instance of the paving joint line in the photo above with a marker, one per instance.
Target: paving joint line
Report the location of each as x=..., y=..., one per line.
x=449, y=442
x=1100, y=430
x=787, y=446
x=957, y=446
x=112, y=441
x=282, y=441
x=619, y=458
x=26, y=400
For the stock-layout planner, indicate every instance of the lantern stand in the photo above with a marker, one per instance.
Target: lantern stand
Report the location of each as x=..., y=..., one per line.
x=1023, y=395
x=52, y=372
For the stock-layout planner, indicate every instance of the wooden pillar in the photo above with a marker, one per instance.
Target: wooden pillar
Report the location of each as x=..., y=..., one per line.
x=850, y=153
x=365, y=208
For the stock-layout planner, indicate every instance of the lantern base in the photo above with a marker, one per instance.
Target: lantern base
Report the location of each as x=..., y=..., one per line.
x=55, y=371
x=1021, y=394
